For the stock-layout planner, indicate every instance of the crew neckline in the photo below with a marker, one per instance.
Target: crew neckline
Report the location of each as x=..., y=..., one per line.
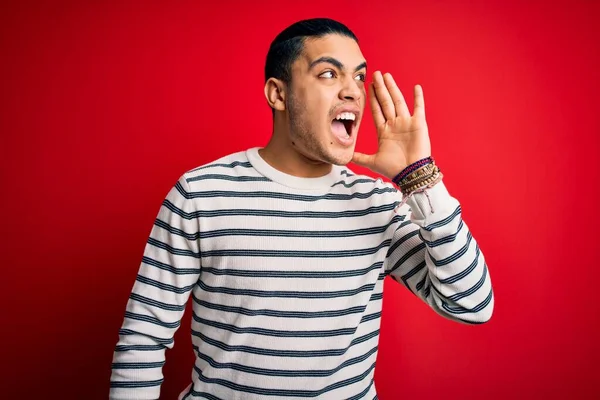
x=296, y=182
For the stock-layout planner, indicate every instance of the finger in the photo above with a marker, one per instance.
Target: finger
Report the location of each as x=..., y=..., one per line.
x=419, y=101
x=383, y=97
x=378, y=117
x=396, y=95
x=364, y=160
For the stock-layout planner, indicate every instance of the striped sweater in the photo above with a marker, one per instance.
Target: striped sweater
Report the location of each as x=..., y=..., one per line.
x=285, y=276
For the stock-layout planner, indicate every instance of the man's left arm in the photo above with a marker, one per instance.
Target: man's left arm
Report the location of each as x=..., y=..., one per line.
x=434, y=254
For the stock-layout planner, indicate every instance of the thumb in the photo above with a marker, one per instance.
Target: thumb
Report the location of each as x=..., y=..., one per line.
x=364, y=160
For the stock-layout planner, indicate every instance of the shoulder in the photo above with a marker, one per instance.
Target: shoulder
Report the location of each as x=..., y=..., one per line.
x=234, y=167
x=228, y=164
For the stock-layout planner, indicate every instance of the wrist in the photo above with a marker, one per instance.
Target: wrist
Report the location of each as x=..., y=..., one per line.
x=418, y=175
x=412, y=167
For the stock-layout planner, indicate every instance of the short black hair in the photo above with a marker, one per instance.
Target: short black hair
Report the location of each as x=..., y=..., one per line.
x=288, y=45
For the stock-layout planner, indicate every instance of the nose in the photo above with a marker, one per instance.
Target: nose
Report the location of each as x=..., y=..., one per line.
x=350, y=90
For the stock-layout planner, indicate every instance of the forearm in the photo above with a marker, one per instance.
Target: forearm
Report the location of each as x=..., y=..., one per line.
x=448, y=270
x=169, y=269
x=151, y=319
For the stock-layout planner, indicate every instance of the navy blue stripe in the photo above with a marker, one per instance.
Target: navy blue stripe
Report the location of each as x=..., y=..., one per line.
x=129, y=332
x=282, y=372
x=354, y=182
x=421, y=283
x=295, y=253
x=427, y=291
x=280, y=314
x=398, y=242
x=166, y=267
x=284, y=353
x=466, y=271
x=466, y=321
x=221, y=177
x=473, y=289
x=202, y=395
x=361, y=395
x=138, y=365
x=284, y=392
x=244, y=212
x=273, y=332
x=444, y=221
x=370, y=317
x=164, y=286
x=417, y=249
x=280, y=333
x=476, y=309
x=139, y=347
x=281, y=195
x=296, y=234
x=412, y=273
x=459, y=253
x=444, y=240
x=171, y=249
x=243, y=164
x=155, y=303
x=151, y=320
x=376, y=296
x=292, y=274
x=135, y=384
x=345, y=172
x=176, y=231
x=286, y=294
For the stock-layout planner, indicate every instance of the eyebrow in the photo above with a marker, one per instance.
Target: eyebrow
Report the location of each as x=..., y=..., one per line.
x=338, y=64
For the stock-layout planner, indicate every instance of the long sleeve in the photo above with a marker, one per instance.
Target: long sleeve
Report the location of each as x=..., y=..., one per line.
x=169, y=269
x=437, y=258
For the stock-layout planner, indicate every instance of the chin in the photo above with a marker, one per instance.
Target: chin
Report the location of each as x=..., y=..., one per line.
x=340, y=157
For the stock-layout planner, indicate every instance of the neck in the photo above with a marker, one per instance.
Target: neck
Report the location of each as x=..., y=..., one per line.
x=284, y=156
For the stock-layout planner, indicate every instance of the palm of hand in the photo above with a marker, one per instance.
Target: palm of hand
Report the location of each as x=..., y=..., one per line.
x=402, y=138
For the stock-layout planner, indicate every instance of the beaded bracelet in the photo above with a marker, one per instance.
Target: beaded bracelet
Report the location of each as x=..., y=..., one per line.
x=424, y=183
x=414, y=166
x=424, y=171
x=411, y=168
x=418, y=176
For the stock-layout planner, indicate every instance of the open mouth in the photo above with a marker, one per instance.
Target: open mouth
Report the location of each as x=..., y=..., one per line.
x=343, y=125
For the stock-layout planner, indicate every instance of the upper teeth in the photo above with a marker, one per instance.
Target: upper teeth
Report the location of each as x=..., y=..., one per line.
x=346, y=115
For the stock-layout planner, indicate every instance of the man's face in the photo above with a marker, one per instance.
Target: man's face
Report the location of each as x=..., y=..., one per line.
x=326, y=99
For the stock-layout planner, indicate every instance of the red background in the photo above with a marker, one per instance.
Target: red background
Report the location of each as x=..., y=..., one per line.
x=104, y=105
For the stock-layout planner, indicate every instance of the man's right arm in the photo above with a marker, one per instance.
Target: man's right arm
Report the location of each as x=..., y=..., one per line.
x=169, y=270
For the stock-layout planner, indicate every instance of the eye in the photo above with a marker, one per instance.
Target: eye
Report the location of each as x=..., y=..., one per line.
x=323, y=75
x=362, y=77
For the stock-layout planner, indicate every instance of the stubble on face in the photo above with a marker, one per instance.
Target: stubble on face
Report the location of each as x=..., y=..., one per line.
x=314, y=97
x=304, y=139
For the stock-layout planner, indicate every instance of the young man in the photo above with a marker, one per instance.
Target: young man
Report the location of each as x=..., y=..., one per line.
x=283, y=251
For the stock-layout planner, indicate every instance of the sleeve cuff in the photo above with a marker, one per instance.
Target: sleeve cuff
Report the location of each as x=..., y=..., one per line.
x=434, y=202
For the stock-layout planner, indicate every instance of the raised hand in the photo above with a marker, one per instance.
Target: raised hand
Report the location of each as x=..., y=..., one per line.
x=402, y=138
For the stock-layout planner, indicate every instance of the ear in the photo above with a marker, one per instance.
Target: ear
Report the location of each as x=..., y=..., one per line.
x=275, y=94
